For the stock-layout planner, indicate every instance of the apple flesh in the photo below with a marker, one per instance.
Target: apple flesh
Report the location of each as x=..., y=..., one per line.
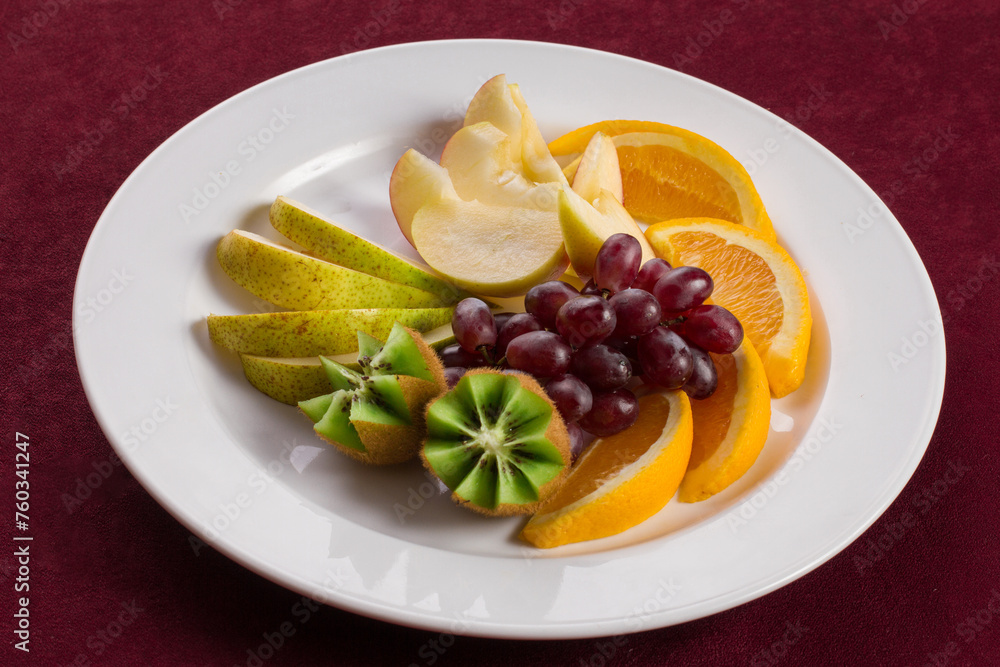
x=586, y=226
x=599, y=169
x=490, y=250
x=415, y=181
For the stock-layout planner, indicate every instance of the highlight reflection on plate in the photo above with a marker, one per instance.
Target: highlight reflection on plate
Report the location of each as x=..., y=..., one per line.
x=247, y=475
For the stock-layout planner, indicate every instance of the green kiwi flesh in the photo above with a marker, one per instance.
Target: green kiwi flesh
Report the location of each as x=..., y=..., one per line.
x=375, y=414
x=497, y=442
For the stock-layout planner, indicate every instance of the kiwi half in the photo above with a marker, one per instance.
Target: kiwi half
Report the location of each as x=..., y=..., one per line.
x=498, y=442
x=376, y=414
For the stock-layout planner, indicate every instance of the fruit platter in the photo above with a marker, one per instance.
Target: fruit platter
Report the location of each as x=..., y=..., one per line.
x=462, y=361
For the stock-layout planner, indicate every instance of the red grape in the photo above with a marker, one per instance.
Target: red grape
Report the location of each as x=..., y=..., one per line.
x=704, y=378
x=637, y=312
x=455, y=356
x=519, y=323
x=473, y=325
x=540, y=353
x=577, y=441
x=572, y=397
x=613, y=411
x=665, y=358
x=544, y=301
x=452, y=375
x=714, y=328
x=601, y=367
x=586, y=319
x=651, y=271
x=682, y=289
x=617, y=262
x=591, y=289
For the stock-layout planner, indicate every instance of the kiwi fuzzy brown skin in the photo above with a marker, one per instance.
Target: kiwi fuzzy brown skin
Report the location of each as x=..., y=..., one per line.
x=556, y=433
x=390, y=444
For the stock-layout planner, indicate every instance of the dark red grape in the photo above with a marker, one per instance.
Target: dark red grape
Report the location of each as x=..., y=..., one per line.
x=540, y=353
x=601, y=367
x=637, y=312
x=501, y=319
x=452, y=374
x=651, y=271
x=572, y=397
x=613, y=411
x=617, y=262
x=544, y=301
x=714, y=328
x=704, y=378
x=577, y=441
x=586, y=319
x=519, y=323
x=454, y=356
x=473, y=325
x=591, y=289
x=682, y=289
x=665, y=358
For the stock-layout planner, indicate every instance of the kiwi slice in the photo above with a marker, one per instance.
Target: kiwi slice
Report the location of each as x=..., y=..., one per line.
x=498, y=442
x=375, y=413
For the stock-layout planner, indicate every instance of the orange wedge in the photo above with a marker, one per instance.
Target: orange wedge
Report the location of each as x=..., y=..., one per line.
x=621, y=480
x=669, y=172
x=757, y=280
x=730, y=426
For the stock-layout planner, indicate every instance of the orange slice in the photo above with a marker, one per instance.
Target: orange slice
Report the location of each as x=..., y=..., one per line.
x=669, y=172
x=730, y=426
x=757, y=280
x=621, y=480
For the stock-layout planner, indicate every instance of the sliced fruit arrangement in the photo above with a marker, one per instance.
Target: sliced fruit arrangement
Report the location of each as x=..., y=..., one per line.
x=669, y=172
x=757, y=280
x=497, y=441
x=646, y=375
x=376, y=414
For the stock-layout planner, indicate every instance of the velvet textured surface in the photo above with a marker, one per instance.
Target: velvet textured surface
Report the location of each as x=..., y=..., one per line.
x=905, y=92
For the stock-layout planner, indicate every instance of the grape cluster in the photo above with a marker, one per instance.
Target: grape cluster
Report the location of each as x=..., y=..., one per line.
x=630, y=320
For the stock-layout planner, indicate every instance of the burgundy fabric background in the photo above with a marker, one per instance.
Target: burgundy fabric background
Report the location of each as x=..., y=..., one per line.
x=894, y=75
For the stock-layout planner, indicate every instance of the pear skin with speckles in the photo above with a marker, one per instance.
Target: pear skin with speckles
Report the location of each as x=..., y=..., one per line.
x=307, y=333
x=297, y=281
x=329, y=241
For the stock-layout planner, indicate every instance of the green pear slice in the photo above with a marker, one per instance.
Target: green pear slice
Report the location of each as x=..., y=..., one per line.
x=537, y=161
x=294, y=379
x=599, y=169
x=294, y=280
x=328, y=241
x=586, y=226
x=490, y=250
x=478, y=159
x=305, y=333
x=416, y=180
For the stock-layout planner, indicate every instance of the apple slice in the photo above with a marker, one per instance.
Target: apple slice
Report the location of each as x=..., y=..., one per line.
x=599, y=169
x=335, y=244
x=585, y=227
x=415, y=181
x=478, y=159
x=537, y=161
x=490, y=250
x=293, y=280
x=304, y=333
x=494, y=104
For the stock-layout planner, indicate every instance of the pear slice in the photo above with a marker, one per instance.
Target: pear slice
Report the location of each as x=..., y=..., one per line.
x=490, y=250
x=294, y=379
x=415, y=181
x=328, y=241
x=305, y=333
x=599, y=170
x=537, y=161
x=586, y=226
x=478, y=159
x=294, y=280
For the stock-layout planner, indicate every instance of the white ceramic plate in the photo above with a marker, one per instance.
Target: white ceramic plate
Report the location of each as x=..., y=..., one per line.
x=246, y=475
